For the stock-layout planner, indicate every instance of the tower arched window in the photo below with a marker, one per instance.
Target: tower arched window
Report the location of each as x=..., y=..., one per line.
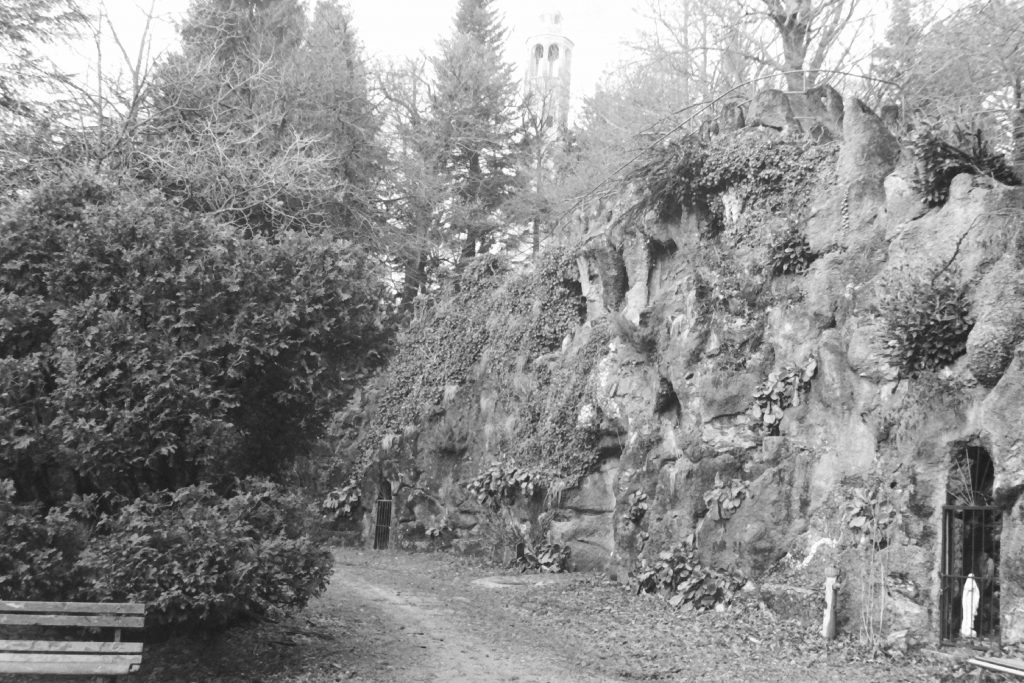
x=553, y=53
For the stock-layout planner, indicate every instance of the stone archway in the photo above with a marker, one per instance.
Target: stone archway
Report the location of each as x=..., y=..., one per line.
x=971, y=527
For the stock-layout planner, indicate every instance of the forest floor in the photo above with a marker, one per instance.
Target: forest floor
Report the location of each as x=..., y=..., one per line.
x=389, y=616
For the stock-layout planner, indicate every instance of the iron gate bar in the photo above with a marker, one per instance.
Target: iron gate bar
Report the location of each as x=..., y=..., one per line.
x=970, y=549
x=382, y=525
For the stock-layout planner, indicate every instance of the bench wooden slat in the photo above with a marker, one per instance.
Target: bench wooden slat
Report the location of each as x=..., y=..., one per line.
x=23, y=606
x=1000, y=664
x=58, y=646
x=94, y=620
x=71, y=659
x=99, y=665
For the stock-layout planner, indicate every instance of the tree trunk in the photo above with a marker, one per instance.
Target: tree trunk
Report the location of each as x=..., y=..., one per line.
x=414, y=269
x=1018, y=128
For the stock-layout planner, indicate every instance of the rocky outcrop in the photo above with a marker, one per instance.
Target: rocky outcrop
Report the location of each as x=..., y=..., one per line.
x=705, y=332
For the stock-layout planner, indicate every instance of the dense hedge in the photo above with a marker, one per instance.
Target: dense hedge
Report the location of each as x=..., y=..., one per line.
x=145, y=348
x=195, y=558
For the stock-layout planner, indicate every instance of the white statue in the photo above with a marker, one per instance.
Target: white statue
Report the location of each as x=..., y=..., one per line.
x=971, y=597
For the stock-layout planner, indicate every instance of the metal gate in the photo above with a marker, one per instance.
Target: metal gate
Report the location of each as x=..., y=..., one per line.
x=382, y=521
x=969, y=575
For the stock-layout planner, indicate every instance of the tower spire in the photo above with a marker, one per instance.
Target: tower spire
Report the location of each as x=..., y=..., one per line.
x=548, y=70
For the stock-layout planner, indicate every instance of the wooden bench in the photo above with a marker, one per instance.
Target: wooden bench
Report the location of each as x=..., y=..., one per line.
x=1004, y=665
x=71, y=657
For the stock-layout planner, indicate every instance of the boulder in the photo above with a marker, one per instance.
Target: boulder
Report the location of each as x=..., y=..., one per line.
x=584, y=519
x=771, y=109
x=723, y=394
x=999, y=306
x=866, y=352
x=732, y=117
x=869, y=151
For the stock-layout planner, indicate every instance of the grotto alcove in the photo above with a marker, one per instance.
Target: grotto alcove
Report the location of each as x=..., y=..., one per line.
x=969, y=586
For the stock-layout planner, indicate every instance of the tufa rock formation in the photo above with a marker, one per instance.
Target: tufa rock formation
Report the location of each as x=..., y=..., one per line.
x=706, y=355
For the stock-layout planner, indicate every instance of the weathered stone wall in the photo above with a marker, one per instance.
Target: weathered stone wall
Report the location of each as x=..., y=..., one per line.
x=673, y=418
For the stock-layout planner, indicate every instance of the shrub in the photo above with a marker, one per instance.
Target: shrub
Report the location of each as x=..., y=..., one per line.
x=343, y=503
x=927, y=319
x=678, y=572
x=198, y=559
x=547, y=557
x=37, y=551
x=497, y=486
x=938, y=162
x=781, y=390
x=688, y=173
x=142, y=348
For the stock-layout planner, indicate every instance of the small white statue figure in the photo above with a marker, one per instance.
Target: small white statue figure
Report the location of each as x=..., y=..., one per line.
x=971, y=597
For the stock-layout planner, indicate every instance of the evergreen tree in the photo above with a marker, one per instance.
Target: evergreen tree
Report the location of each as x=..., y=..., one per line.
x=895, y=60
x=264, y=120
x=473, y=119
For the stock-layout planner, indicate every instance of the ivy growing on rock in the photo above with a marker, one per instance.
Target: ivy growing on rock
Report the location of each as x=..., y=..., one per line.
x=690, y=173
x=499, y=328
x=927, y=318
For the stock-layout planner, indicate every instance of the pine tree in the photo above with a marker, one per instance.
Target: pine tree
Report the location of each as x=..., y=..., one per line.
x=473, y=118
x=895, y=60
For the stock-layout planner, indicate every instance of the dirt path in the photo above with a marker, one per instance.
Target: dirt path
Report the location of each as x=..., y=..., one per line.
x=428, y=627
x=394, y=617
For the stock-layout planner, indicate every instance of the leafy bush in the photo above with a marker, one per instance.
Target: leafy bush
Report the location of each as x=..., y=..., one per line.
x=344, y=502
x=790, y=253
x=198, y=559
x=726, y=497
x=678, y=572
x=498, y=486
x=547, y=557
x=927, y=319
x=37, y=551
x=938, y=162
x=781, y=390
x=142, y=348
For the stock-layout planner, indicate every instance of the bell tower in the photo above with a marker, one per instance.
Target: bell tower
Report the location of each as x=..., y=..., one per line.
x=548, y=69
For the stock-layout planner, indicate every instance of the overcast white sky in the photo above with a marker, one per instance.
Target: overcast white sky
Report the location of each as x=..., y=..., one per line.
x=391, y=29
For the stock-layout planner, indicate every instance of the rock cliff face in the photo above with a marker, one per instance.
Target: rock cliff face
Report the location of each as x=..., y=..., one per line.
x=850, y=462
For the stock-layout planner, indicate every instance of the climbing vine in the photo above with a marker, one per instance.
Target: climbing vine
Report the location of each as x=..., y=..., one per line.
x=515, y=316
